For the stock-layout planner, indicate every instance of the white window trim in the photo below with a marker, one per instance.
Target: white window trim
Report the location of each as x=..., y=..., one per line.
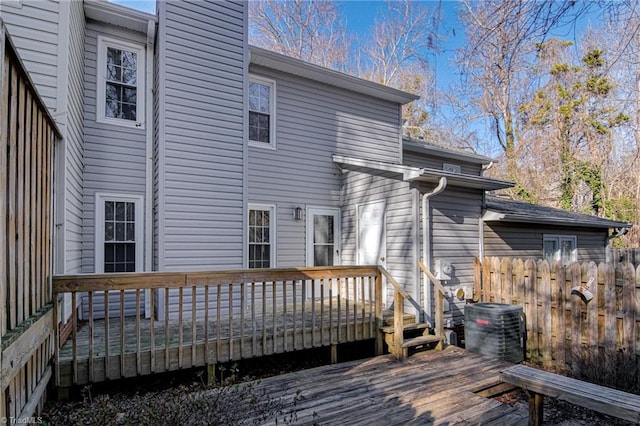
x=557, y=256
x=272, y=230
x=103, y=44
x=272, y=112
x=101, y=198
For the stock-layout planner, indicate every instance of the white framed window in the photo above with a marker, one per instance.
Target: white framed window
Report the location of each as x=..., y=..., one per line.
x=120, y=83
x=560, y=247
x=261, y=227
x=119, y=233
x=262, y=112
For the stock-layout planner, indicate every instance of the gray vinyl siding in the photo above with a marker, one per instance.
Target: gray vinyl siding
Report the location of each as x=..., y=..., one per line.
x=33, y=26
x=415, y=159
x=401, y=228
x=202, y=55
x=521, y=240
x=74, y=139
x=114, y=155
x=455, y=237
x=313, y=122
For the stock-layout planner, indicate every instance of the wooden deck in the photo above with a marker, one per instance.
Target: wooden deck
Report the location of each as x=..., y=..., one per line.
x=435, y=387
x=137, y=346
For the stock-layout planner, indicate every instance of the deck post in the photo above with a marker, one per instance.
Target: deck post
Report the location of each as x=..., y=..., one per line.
x=334, y=354
x=211, y=374
x=378, y=302
x=536, y=413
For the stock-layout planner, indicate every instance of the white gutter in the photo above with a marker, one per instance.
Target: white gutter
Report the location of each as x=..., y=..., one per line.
x=426, y=246
x=148, y=211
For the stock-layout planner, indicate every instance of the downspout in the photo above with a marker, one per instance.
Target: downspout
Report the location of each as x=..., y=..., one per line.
x=426, y=245
x=148, y=210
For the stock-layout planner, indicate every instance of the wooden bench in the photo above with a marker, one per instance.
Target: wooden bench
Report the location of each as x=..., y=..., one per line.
x=538, y=383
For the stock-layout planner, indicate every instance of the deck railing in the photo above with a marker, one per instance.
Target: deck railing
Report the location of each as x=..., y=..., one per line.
x=201, y=318
x=27, y=138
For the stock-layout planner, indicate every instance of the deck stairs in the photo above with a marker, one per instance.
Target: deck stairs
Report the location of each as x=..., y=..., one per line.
x=416, y=336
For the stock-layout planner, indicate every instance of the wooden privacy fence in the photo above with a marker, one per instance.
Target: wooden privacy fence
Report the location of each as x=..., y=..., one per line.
x=563, y=330
x=27, y=137
x=201, y=318
x=626, y=255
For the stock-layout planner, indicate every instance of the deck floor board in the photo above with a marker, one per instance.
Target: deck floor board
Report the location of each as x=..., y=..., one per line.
x=435, y=387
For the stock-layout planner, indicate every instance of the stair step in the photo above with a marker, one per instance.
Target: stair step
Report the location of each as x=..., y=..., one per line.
x=406, y=327
x=421, y=340
x=387, y=319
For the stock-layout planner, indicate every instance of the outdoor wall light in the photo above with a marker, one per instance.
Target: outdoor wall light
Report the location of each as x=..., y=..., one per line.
x=297, y=213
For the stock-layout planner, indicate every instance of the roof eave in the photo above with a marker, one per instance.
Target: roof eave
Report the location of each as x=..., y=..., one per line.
x=499, y=216
x=277, y=61
x=121, y=16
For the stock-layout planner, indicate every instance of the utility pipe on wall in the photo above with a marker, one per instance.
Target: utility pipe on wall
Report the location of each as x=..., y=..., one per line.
x=426, y=245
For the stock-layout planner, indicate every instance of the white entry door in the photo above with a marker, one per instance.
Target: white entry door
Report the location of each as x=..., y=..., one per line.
x=323, y=236
x=372, y=237
x=323, y=243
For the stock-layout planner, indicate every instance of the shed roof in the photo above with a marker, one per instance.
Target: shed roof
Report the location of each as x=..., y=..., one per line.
x=504, y=210
x=429, y=148
x=419, y=174
x=277, y=61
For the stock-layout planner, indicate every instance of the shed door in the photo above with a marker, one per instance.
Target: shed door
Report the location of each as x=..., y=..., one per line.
x=372, y=238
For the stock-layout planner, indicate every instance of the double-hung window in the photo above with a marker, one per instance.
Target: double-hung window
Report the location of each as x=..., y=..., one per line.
x=560, y=248
x=262, y=112
x=119, y=246
x=261, y=229
x=120, y=83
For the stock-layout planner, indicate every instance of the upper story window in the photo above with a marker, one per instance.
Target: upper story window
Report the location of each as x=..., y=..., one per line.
x=120, y=83
x=560, y=247
x=262, y=112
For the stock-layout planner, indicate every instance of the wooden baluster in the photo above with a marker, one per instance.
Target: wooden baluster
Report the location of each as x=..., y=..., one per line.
x=74, y=331
x=122, y=335
x=138, y=345
x=295, y=311
x=254, y=331
x=242, y=305
x=264, y=317
x=338, y=303
x=363, y=309
x=331, y=339
x=180, y=335
x=218, y=322
x=90, y=295
x=230, y=321
x=194, y=300
x=107, y=367
x=166, y=329
x=355, y=308
x=207, y=358
x=321, y=311
x=152, y=335
x=313, y=313
x=274, y=314
x=284, y=315
x=304, y=314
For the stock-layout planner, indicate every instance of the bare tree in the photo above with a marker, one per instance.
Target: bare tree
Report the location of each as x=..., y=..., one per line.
x=311, y=30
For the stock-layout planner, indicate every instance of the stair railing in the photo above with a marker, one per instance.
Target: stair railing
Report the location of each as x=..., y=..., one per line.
x=400, y=295
x=439, y=296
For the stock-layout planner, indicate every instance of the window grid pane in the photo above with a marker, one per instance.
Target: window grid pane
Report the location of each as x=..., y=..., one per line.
x=121, y=84
x=259, y=112
x=259, y=238
x=119, y=237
